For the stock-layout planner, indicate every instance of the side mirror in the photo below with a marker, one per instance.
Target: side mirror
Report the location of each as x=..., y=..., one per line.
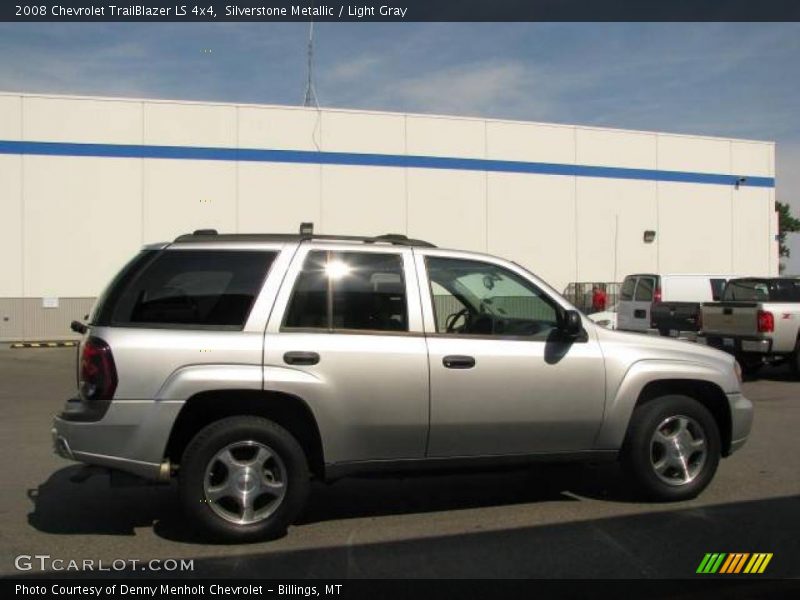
x=571, y=326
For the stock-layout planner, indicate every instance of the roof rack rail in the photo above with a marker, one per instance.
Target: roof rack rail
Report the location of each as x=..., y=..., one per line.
x=206, y=235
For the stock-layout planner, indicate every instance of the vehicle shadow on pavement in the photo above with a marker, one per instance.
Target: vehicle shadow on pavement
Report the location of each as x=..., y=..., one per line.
x=782, y=372
x=657, y=544
x=368, y=497
x=64, y=506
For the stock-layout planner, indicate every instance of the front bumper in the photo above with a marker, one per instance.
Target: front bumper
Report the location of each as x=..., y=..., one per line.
x=131, y=436
x=741, y=420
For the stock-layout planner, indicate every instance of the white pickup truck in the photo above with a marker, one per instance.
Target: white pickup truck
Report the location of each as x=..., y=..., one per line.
x=758, y=320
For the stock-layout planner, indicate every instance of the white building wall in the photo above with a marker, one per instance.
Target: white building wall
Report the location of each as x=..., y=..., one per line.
x=11, y=224
x=612, y=215
x=70, y=222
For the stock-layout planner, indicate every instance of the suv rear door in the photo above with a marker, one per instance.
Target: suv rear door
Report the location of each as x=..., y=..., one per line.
x=346, y=336
x=188, y=304
x=502, y=379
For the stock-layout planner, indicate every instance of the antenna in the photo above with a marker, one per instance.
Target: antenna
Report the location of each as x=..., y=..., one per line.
x=311, y=94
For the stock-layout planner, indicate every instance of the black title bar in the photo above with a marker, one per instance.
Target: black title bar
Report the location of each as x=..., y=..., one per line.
x=387, y=589
x=399, y=10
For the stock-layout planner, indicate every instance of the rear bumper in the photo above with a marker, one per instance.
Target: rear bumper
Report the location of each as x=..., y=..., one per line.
x=131, y=436
x=741, y=420
x=737, y=344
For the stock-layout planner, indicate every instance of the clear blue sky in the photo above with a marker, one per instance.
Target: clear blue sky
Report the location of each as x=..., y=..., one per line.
x=738, y=80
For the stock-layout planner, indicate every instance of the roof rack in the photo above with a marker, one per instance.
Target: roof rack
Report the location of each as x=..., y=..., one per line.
x=205, y=235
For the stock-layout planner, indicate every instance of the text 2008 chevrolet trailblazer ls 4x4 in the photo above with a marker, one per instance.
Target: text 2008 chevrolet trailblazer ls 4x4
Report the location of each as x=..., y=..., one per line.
x=245, y=365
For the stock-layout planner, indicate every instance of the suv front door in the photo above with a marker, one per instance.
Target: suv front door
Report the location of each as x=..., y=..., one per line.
x=503, y=378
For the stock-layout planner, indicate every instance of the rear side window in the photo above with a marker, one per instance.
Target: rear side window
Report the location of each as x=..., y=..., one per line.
x=644, y=291
x=106, y=301
x=191, y=289
x=627, y=288
x=362, y=291
x=786, y=290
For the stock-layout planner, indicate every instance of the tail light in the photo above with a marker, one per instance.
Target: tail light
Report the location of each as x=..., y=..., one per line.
x=656, y=300
x=98, y=374
x=766, y=321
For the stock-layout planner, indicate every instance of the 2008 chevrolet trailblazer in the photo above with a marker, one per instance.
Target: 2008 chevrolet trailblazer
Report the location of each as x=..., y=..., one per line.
x=245, y=365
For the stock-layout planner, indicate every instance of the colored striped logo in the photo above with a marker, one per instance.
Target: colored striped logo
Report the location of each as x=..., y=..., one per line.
x=734, y=563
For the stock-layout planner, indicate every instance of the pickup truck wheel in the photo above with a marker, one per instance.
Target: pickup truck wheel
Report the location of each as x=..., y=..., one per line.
x=751, y=367
x=672, y=448
x=795, y=359
x=243, y=479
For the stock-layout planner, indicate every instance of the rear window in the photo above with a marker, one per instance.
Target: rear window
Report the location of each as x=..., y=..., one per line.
x=644, y=291
x=627, y=288
x=187, y=289
x=747, y=291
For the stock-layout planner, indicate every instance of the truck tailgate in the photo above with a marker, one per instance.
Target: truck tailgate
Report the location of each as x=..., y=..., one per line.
x=730, y=318
x=675, y=316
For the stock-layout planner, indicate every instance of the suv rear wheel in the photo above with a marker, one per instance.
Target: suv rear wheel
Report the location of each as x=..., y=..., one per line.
x=243, y=478
x=673, y=448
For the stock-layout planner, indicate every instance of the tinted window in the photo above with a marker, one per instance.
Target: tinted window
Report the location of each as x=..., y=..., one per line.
x=785, y=290
x=194, y=288
x=101, y=313
x=627, y=288
x=349, y=290
x=644, y=291
x=476, y=298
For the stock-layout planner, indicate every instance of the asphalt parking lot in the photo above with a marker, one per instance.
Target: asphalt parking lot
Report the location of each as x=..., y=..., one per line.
x=549, y=521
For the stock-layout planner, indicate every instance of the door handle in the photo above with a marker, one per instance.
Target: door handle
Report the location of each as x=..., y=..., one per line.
x=301, y=358
x=458, y=362
x=640, y=313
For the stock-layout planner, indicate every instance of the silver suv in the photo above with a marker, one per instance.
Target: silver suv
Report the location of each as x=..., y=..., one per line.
x=246, y=365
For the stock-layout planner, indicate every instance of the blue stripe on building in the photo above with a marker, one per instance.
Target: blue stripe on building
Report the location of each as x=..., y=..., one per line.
x=371, y=160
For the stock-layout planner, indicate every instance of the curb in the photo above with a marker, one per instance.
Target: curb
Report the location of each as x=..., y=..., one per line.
x=43, y=344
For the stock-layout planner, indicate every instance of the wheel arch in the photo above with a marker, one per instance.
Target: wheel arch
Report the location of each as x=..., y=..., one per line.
x=706, y=393
x=646, y=381
x=289, y=411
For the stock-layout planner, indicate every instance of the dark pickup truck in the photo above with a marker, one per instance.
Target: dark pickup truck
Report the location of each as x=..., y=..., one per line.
x=675, y=318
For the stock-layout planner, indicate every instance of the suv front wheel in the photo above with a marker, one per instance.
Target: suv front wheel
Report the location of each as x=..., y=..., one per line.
x=672, y=448
x=243, y=479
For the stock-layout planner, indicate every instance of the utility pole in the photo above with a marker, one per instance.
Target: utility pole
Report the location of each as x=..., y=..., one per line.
x=311, y=94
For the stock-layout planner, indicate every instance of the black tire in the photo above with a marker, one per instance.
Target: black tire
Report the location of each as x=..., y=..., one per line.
x=640, y=452
x=201, y=462
x=750, y=368
x=794, y=359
